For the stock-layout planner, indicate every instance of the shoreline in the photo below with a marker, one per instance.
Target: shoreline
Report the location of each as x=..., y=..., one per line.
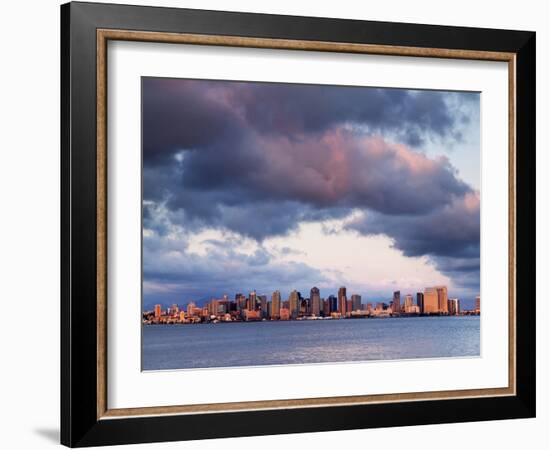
x=305, y=319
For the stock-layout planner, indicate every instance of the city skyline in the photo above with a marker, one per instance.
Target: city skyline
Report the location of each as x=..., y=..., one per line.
x=200, y=300
x=431, y=300
x=272, y=185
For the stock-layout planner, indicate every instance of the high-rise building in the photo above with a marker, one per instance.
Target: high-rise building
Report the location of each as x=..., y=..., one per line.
x=252, y=301
x=420, y=301
x=442, y=299
x=431, y=303
x=478, y=304
x=263, y=306
x=191, y=309
x=241, y=302
x=213, y=306
x=396, y=304
x=158, y=311
x=342, y=301
x=326, y=307
x=454, y=306
x=304, y=306
x=333, y=303
x=315, y=301
x=356, y=302
x=275, y=305
x=294, y=304
x=408, y=302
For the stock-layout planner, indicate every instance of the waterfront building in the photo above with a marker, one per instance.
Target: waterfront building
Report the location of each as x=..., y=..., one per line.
x=454, y=306
x=304, y=306
x=396, y=304
x=420, y=301
x=315, y=301
x=294, y=304
x=326, y=307
x=224, y=305
x=284, y=314
x=431, y=303
x=477, y=305
x=342, y=301
x=263, y=305
x=158, y=311
x=252, y=301
x=333, y=303
x=412, y=309
x=275, y=305
x=252, y=315
x=241, y=301
x=356, y=302
x=408, y=302
x=442, y=299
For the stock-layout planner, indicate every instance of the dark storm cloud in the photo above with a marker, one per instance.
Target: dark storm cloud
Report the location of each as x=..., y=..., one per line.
x=179, y=115
x=193, y=114
x=294, y=109
x=450, y=231
x=258, y=159
x=285, y=182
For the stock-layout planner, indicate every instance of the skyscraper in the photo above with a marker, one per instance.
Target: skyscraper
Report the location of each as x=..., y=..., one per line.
x=252, y=301
x=332, y=303
x=315, y=301
x=304, y=305
x=213, y=307
x=454, y=306
x=420, y=301
x=158, y=311
x=326, y=307
x=294, y=303
x=431, y=305
x=442, y=299
x=275, y=305
x=242, y=302
x=342, y=300
x=356, y=302
x=263, y=306
x=478, y=304
x=396, y=305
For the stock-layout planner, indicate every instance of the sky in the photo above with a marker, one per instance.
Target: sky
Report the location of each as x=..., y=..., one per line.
x=264, y=186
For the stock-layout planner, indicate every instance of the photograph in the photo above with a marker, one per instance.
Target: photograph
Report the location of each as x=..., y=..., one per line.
x=287, y=223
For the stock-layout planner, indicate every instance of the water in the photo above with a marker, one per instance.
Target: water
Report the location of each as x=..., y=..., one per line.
x=305, y=342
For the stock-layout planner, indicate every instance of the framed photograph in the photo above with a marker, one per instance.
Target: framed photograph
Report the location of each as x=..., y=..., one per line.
x=277, y=224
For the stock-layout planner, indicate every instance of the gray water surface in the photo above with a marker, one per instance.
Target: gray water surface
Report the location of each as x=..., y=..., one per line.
x=308, y=341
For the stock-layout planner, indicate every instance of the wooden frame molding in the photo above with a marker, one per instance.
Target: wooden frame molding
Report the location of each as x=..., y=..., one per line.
x=103, y=36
